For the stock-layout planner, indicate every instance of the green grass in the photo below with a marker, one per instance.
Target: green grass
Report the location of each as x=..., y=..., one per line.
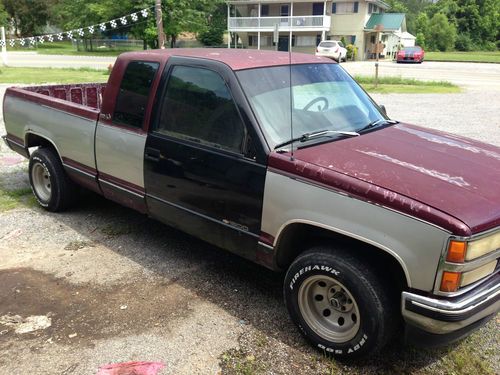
x=11, y=199
x=66, y=48
x=398, y=85
x=480, y=56
x=51, y=75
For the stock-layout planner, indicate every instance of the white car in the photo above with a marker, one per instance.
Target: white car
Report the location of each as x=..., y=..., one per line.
x=333, y=49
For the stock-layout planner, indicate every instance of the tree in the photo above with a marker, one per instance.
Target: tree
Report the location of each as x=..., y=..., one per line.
x=29, y=17
x=396, y=6
x=420, y=41
x=442, y=34
x=4, y=16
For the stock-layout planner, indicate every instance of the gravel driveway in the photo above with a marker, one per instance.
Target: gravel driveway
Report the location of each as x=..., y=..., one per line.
x=116, y=286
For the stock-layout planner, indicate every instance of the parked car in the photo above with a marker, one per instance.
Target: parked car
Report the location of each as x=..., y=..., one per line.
x=333, y=49
x=411, y=54
x=379, y=225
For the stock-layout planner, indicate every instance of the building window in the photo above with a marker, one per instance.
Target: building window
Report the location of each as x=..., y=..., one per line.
x=264, y=10
x=345, y=7
x=285, y=10
x=372, y=8
x=306, y=41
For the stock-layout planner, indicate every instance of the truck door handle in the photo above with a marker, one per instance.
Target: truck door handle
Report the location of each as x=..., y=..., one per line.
x=152, y=154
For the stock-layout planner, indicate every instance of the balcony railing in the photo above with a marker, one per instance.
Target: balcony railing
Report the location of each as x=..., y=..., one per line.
x=285, y=23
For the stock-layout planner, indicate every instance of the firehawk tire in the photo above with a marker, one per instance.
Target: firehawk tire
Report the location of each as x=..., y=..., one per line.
x=339, y=304
x=52, y=188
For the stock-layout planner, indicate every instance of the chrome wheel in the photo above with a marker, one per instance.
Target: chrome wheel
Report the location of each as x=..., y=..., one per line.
x=329, y=309
x=40, y=177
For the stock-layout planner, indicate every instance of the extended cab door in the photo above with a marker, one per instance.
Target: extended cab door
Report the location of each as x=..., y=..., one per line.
x=122, y=130
x=202, y=169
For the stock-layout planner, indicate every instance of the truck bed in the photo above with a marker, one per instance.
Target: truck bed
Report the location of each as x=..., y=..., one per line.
x=85, y=94
x=65, y=114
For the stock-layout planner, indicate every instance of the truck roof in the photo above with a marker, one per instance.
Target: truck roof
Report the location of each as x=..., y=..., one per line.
x=236, y=59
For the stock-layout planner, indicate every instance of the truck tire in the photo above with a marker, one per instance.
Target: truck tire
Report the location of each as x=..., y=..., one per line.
x=339, y=304
x=52, y=188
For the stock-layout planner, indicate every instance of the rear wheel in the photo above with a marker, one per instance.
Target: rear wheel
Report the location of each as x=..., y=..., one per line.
x=338, y=303
x=52, y=188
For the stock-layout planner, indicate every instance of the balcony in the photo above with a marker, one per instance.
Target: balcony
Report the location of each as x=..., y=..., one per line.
x=268, y=24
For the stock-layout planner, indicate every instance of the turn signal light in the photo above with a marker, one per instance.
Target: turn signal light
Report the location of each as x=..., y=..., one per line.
x=450, y=281
x=456, y=251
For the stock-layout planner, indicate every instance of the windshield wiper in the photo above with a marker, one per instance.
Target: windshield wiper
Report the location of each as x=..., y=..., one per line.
x=378, y=122
x=322, y=133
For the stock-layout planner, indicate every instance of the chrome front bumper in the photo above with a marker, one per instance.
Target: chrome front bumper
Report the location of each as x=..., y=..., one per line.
x=443, y=316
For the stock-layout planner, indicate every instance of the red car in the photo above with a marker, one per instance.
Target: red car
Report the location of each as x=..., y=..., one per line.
x=411, y=54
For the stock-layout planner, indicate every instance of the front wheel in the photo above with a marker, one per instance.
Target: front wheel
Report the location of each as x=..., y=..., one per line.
x=52, y=188
x=338, y=303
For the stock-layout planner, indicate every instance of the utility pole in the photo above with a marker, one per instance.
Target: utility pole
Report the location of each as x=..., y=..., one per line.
x=4, y=46
x=159, y=25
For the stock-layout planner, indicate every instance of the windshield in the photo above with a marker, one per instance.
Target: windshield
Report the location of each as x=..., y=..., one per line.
x=412, y=49
x=324, y=97
x=328, y=44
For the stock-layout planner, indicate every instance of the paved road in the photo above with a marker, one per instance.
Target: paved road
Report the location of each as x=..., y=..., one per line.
x=465, y=74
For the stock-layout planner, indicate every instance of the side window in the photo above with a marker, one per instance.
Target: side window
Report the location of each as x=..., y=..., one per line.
x=199, y=107
x=134, y=93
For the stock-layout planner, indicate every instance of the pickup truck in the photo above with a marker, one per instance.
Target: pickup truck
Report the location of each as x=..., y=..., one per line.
x=378, y=226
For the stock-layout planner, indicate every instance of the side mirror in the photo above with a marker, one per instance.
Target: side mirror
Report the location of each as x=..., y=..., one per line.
x=382, y=107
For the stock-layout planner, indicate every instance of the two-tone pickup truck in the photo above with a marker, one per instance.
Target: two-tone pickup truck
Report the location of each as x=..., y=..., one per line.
x=290, y=164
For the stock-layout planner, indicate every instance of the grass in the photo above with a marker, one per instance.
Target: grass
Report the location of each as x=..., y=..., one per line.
x=52, y=75
x=479, y=56
x=11, y=199
x=398, y=85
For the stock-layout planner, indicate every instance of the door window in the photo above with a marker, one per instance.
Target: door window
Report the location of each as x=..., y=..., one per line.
x=133, y=96
x=198, y=107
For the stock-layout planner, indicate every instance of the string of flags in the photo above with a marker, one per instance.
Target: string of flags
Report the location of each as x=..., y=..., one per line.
x=81, y=32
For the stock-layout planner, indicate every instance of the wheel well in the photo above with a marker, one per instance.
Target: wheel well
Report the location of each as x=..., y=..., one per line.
x=298, y=237
x=33, y=140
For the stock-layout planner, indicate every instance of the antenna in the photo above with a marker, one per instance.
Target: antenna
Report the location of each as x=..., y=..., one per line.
x=290, y=82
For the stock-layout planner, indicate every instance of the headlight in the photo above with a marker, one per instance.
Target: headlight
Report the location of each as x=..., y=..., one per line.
x=468, y=262
x=478, y=248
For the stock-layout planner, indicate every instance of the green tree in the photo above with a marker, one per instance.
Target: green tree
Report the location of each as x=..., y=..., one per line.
x=29, y=17
x=396, y=6
x=4, y=16
x=420, y=41
x=442, y=34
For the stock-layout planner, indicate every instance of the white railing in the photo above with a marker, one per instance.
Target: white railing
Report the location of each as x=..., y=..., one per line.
x=285, y=23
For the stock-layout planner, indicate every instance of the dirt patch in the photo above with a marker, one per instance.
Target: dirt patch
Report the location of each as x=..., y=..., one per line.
x=82, y=314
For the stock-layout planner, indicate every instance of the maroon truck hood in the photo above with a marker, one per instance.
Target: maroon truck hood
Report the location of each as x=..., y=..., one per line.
x=438, y=177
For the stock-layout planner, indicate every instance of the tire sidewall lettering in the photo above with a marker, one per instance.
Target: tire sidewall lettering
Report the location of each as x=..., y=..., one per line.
x=312, y=268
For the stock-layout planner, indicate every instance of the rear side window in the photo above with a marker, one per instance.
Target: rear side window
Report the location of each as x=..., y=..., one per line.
x=328, y=44
x=198, y=107
x=134, y=93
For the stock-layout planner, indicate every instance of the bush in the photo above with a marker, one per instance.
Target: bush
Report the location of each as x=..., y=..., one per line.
x=463, y=42
x=442, y=34
x=491, y=46
x=211, y=37
x=420, y=41
x=352, y=52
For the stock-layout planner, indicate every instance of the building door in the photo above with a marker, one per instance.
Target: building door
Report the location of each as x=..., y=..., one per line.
x=283, y=43
x=318, y=9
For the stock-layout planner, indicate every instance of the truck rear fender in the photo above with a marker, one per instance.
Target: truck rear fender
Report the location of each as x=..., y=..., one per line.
x=35, y=140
